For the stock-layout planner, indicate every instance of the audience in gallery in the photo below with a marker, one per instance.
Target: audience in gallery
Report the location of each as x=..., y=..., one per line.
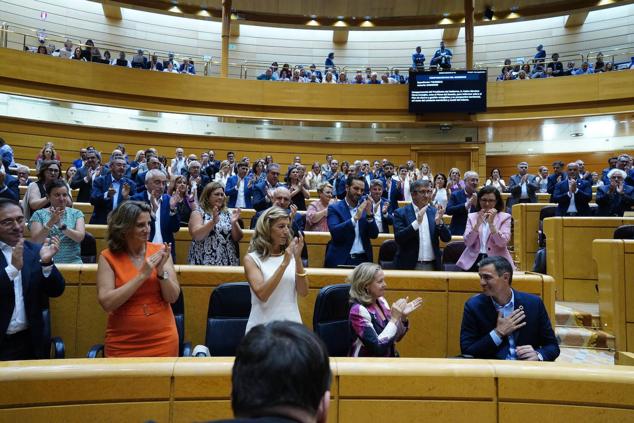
x=376, y=326
x=214, y=229
x=59, y=221
x=274, y=269
x=136, y=282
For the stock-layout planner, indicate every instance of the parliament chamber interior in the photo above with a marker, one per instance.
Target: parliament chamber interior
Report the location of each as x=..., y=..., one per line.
x=213, y=117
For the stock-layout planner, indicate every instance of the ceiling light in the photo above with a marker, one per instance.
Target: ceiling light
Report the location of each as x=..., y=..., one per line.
x=175, y=9
x=312, y=22
x=367, y=24
x=340, y=23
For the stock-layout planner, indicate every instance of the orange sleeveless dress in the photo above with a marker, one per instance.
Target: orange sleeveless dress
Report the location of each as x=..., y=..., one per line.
x=144, y=326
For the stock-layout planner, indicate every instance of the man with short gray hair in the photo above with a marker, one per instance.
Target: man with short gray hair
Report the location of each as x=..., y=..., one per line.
x=263, y=191
x=616, y=198
x=573, y=194
x=522, y=187
x=463, y=202
x=108, y=191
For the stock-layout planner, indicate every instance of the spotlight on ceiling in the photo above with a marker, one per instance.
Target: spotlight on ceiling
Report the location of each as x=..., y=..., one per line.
x=488, y=13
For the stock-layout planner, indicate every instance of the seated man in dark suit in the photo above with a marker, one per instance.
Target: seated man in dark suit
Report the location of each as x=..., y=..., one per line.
x=109, y=191
x=351, y=224
x=86, y=175
x=573, y=195
x=152, y=163
x=504, y=323
x=554, y=178
x=522, y=187
x=282, y=199
x=463, y=202
x=281, y=374
x=164, y=206
x=617, y=198
x=28, y=275
x=263, y=191
x=9, y=185
x=382, y=207
x=418, y=227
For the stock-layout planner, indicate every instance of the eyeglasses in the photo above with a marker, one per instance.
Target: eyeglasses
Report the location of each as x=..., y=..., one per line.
x=423, y=192
x=11, y=222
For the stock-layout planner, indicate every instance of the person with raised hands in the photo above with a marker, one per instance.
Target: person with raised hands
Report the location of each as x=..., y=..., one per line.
x=488, y=231
x=215, y=230
x=136, y=282
x=376, y=326
x=274, y=269
x=351, y=224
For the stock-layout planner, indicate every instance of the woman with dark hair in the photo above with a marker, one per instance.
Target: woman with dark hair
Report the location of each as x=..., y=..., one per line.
x=496, y=180
x=274, y=269
x=214, y=229
x=440, y=195
x=295, y=184
x=42, y=50
x=35, y=197
x=488, y=231
x=77, y=54
x=187, y=198
x=66, y=223
x=69, y=174
x=376, y=326
x=136, y=282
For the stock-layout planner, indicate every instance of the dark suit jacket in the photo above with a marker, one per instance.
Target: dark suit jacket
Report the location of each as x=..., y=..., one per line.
x=231, y=191
x=515, y=188
x=340, y=186
x=103, y=206
x=139, y=180
x=582, y=197
x=342, y=234
x=260, y=201
x=388, y=219
x=408, y=238
x=299, y=222
x=630, y=178
x=614, y=204
x=394, y=191
x=169, y=223
x=13, y=190
x=78, y=182
x=552, y=181
x=480, y=318
x=36, y=288
x=458, y=212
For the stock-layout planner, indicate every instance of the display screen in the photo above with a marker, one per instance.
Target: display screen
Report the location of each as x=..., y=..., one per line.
x=458, y=91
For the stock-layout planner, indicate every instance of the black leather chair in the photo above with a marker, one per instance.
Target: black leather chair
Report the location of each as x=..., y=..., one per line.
x=184, y=347
x=387, y=252
x=52, y=346
x=624, y=232
x=227, y=316
x=330, y=318
x=451, y=254
x=88, y=249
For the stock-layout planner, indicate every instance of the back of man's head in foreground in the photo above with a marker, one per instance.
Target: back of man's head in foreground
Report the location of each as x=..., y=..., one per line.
x=280, y=367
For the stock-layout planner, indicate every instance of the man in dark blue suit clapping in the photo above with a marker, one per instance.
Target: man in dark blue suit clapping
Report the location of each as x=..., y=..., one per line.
x=109, y=191
x=463, y=202
x=573, y=194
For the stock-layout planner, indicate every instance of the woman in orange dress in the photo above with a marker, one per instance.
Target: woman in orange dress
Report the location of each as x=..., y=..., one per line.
x=136, y=283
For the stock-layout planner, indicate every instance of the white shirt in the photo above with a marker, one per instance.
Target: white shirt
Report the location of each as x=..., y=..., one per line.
x=18, y=320
x=485, y=231
x=572, y=208
x=425, y=247
x=378, y=216
x=240, y=202
x=158, y=236
x=357, y=245
x=115, y=198
x=524, y=194
x=406, y=194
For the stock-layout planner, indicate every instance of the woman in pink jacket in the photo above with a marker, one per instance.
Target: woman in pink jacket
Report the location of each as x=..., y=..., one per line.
x=488, y=231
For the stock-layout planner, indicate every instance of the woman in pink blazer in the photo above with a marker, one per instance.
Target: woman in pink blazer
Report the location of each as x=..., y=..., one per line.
x=488, y=231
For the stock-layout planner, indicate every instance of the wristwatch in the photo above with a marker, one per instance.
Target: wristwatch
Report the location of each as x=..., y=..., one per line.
x=163, y=276
x=43, y=264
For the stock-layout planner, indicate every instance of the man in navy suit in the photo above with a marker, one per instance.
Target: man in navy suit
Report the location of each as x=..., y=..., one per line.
x=382, y=208
x=165, y=218
x=9, y=187
x=504, y=323
x=337, y=179
x=109, y=191
x=390, y=186
x=463, y=202
x=27, y=276
x=85, y=176
x=522, y=187
x=263, y=191
x=616, y=198
x=418, y=227
x=573, y=194
x=237, y=188
x=351, y=224
x=554, y=178
x=152, y=163
x=79, y=163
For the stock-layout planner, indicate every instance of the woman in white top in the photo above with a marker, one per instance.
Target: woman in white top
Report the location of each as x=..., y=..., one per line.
x=274, y=270
x=224, y=174
x=440, y=196
x=496, y=180
x=425, y=172
x=328, y=79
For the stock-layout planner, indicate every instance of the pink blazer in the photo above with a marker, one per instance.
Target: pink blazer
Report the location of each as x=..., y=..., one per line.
x=496, y=244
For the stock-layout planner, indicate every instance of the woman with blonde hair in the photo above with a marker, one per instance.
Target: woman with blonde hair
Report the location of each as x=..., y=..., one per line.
x=455, y=182
x=376, y=326
x=215, y=231
x=274, y=269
